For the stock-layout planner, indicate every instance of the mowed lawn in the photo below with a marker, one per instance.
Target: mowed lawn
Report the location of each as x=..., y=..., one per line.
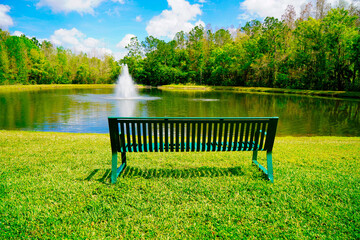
x=56, y=186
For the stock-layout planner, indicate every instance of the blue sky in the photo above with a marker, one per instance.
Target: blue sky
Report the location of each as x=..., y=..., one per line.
x=106, y=26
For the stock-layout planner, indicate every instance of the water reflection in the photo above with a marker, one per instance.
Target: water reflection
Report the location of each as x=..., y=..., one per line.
x=86, y=110
x=126, y=108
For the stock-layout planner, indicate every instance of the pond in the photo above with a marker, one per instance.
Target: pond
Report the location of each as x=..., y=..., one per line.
x=86, y=110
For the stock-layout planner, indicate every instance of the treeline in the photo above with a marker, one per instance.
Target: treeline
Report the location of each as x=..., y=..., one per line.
x=320, y=49
x=27, y=61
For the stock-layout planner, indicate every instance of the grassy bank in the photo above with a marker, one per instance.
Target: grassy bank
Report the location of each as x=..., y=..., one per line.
x=12, y=88
x=56, y=185
x=17, y=88
x=338, y=94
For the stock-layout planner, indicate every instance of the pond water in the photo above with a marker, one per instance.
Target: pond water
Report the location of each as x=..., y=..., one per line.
x=86, y=110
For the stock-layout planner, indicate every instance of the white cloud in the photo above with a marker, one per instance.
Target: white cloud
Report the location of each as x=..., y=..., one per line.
x=113, y=11
x=179, y=18
x=269, y=8
x=76, y=41
x=121, y=46
x=138, y=18
x=80, y=6
x=17, y=33
x=5, y=20
x=246, y=16
x=119, y=55
x=125, y=41
x=272, y=8
x=233, y=32
x=200, y=23
x=202, y=1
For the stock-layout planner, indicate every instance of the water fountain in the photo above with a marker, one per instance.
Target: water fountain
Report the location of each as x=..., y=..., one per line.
x=127, y=95
x=125, y=87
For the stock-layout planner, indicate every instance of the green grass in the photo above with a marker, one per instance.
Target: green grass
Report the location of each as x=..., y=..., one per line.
x=56, y=186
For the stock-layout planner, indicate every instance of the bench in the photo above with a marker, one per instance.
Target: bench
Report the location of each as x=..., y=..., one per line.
x=191, y=135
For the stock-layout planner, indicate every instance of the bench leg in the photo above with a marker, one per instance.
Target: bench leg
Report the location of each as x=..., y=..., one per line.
x=270, y=166
x=115, y=171
x=269, y=171
x=254, y=155
x=113, y=167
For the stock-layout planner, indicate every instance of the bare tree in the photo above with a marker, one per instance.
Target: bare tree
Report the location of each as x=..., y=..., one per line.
x=306, y=10
x=289, y=16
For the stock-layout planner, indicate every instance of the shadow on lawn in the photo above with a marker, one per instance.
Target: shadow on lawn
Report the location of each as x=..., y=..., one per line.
x=131, y=172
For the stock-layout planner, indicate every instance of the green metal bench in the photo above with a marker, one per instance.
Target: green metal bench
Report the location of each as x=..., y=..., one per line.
x=191, y=135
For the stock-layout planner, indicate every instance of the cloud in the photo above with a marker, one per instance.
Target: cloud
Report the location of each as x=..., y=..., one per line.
x=78, y=42
x=115, y=11
x=80, y=6
x=17, y=33
x=121, y=46
x=179, y=18
x=120, y=55
x=5, y=20
x=272, y=8
x=138, y=18
x=233, y=32
x=125, y=41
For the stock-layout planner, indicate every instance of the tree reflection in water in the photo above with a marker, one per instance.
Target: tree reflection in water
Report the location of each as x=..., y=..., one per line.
x=86, y=110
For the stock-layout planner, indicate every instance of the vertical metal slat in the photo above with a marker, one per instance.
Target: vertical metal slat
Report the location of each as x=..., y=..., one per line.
x=177, y=136
x=128, y=137
x=156, y=136
x=182, y=126
x=241, y=142
x=150, y=135
x=225, y=136
x=187, y=136
x=210, y=135
x=221, y=126
x=138, y=128
x=133, y=134
x=198, y=141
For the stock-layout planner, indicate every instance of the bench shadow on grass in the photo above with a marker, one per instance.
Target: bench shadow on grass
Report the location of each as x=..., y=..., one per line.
x=133, y=172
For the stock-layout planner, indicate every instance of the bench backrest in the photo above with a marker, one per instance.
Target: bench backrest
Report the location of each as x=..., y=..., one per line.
x=192, y=134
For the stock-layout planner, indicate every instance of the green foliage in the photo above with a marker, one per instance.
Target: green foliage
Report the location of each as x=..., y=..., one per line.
x=319, y=53
x=27, y=61
x=56, y=185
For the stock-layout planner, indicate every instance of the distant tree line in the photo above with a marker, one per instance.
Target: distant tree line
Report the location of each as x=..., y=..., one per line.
x=320, y=49
x=27, y=61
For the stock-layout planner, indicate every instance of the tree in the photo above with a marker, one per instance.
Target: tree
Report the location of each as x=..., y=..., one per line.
x=289, y=17
x=340, y=34
x=222, y=37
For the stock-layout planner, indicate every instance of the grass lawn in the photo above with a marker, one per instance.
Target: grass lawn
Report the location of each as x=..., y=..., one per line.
x=56, y=186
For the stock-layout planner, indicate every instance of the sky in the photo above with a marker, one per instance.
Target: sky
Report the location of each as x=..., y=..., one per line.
x=99, y=27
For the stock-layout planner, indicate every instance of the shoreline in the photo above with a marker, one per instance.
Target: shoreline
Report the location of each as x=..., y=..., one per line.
x=321, y=93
